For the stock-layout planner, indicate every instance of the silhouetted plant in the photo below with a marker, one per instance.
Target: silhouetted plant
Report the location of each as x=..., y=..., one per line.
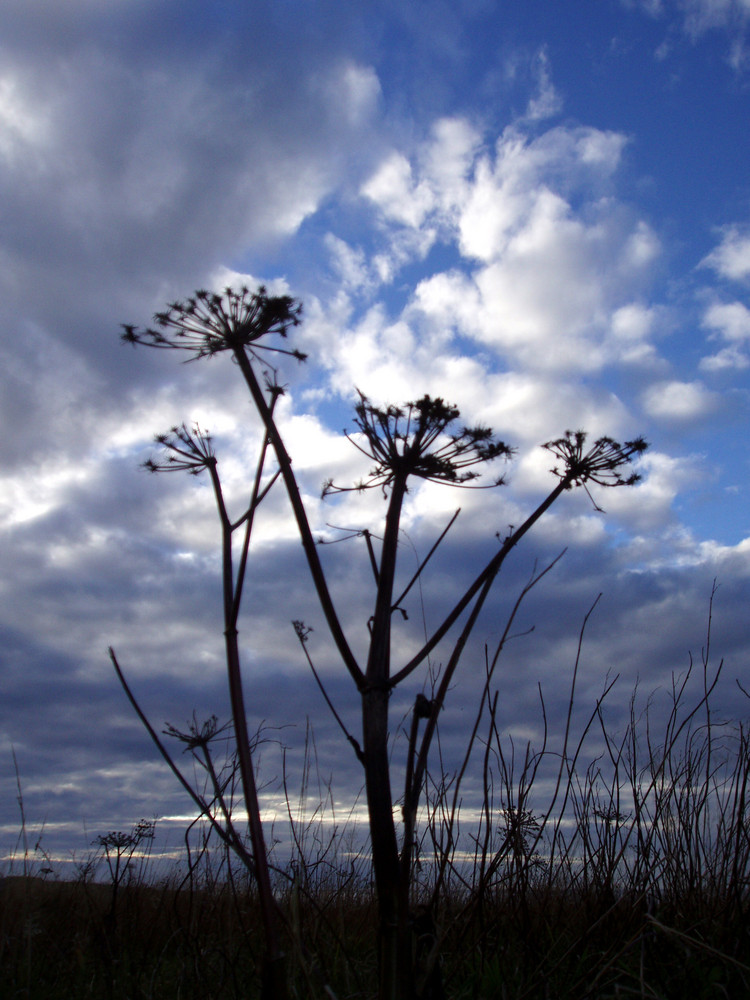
x=119, y=849
x=417, y=441
x=638, y=887
x=208, y=324
x=601, y=464
x=187, y=450
x=414, y=440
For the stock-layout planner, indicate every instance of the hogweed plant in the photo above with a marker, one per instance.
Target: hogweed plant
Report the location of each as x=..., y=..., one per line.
x=414, y=441
x=420, y=441
x=122, y=852
x=209, y=324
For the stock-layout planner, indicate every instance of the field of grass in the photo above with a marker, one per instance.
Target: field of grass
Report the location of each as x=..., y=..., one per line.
x=165, y=940
x=623, y=876
x=596, y=865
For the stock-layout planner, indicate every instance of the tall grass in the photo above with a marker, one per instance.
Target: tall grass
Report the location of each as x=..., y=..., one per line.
x=622, y=875
x=596, y=865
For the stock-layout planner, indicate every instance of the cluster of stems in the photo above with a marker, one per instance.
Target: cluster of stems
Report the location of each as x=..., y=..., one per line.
x=420, y=441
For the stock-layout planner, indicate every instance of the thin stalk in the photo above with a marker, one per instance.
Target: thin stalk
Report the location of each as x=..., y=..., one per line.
x=354, y=743
x=248, y=519
x=426, y=559
x=276, y=974
x=300, y=516
x=394, y=936
x=230, y=840
x=489, y=573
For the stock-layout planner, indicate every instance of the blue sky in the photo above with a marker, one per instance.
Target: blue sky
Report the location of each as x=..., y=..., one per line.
x=540, y=211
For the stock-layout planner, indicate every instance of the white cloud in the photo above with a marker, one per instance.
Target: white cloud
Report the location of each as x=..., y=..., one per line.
x=729, y=321
x=434, y=185
x=397, y=360
x=698, y=15
x=448, y=299
x=506, y=189
x=23, y=125
x=646, y=509
x=548, y=297
x=529, y=409
x=349, y=263
x=447, y=160
x=727, y=359
x=547, y=102
x=127, y=176
x=701, y=15
x=224, y=277
x=39, y=489
x=652, y=7
x=730, y=560
x=377, y=356
x=393, y=189
x=678, y=401
x=550, y=276
x=695, y=17
x=355, y=90
x=493, y=208
x=632, y=326
x=731, y=259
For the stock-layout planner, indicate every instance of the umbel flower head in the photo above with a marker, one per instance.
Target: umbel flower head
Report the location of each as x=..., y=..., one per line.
x=186, y=450
x=414, y=440
x=601, y=464
x=207, y=323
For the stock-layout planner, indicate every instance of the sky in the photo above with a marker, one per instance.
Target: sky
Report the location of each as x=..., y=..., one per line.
x=539, y=212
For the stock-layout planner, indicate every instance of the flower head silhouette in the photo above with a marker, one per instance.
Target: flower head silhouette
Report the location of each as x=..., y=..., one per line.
x=416, y=440
x=207, y=323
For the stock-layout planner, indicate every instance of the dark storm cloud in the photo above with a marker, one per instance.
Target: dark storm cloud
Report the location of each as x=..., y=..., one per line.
x=140, y=146
x=87, y=754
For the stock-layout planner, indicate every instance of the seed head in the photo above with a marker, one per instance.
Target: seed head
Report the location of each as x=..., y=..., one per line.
x=415, y=440
x=186, y=450
x=603, y=463
x=207, y=323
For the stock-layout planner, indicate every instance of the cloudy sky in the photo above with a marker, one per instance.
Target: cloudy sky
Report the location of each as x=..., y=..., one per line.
x=538, y=211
